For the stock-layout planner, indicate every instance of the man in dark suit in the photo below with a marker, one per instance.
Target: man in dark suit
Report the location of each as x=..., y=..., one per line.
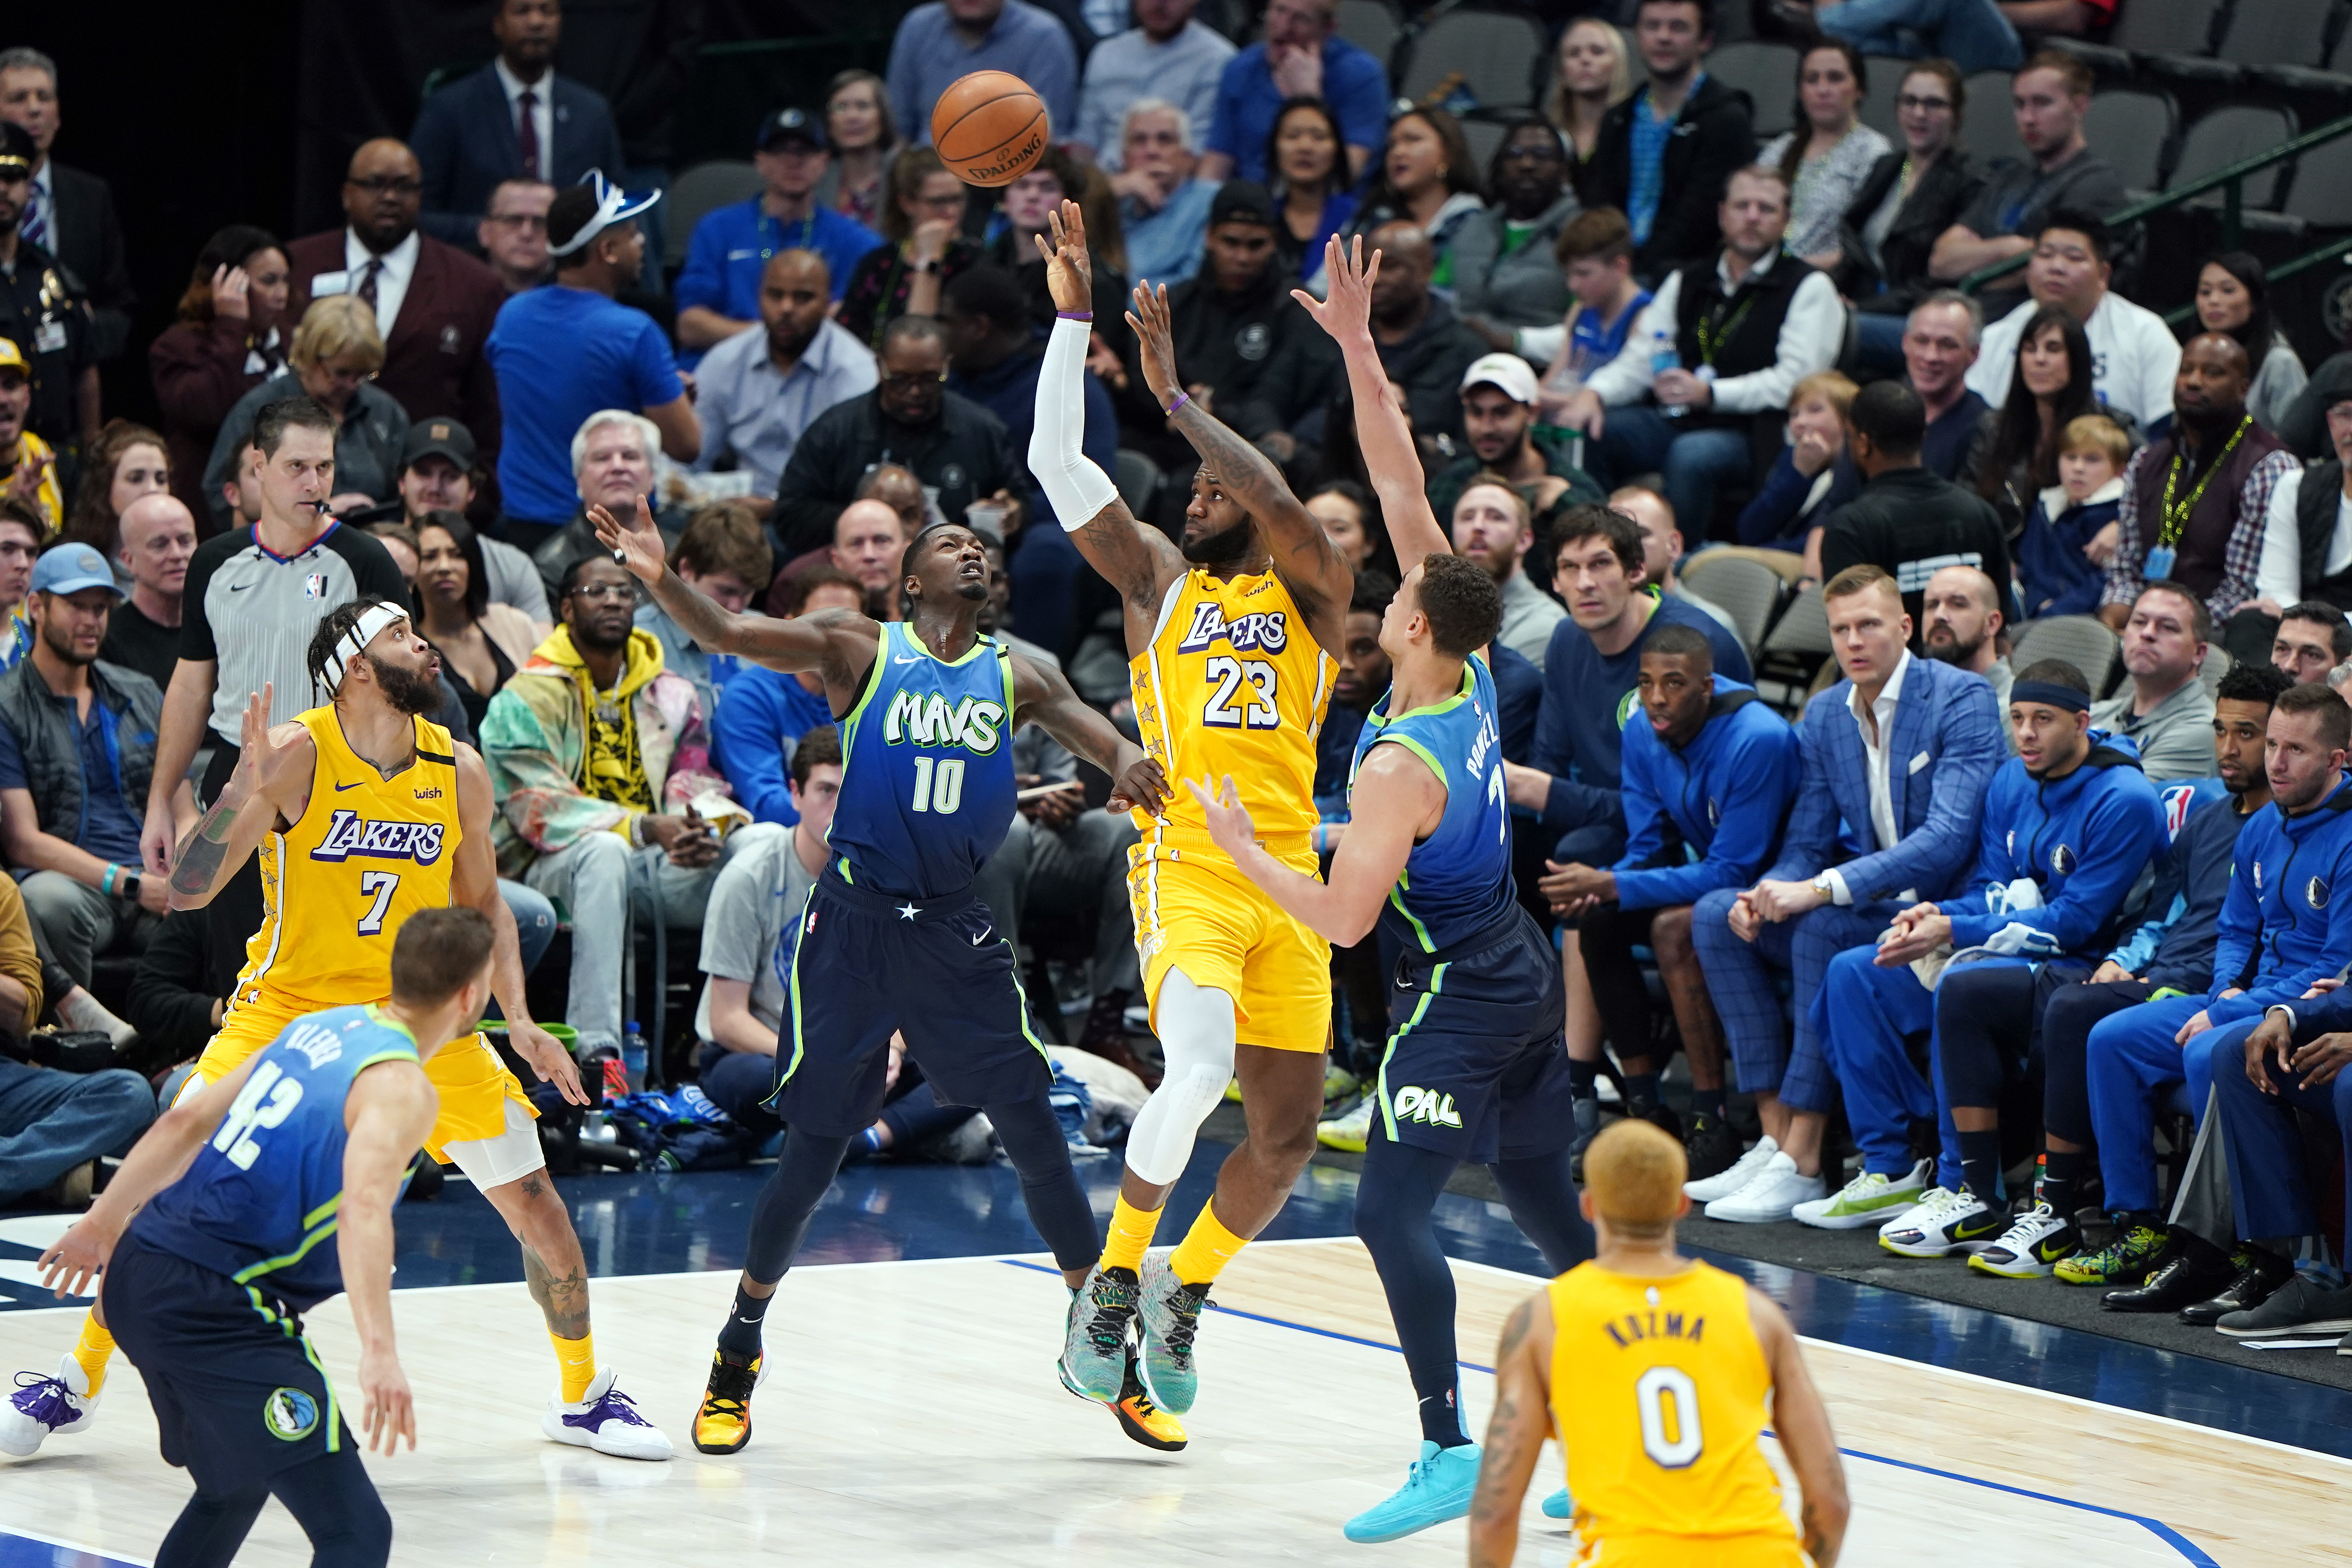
x=1901, y=750
x=434, y=304
x=71, y=215
x=514, y=119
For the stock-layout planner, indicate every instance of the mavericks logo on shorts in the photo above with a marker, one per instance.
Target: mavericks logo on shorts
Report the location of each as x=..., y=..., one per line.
x=1426, y=1105
x=291, y=1413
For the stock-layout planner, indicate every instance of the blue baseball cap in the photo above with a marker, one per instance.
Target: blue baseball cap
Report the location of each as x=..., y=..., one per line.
x=70, y=568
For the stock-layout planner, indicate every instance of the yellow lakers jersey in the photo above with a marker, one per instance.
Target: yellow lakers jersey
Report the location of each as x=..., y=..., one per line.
x=1658, y=1392
x=335, y=888
x=1234, y=683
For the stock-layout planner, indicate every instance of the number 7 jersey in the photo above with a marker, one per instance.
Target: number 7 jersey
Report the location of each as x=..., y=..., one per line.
x=1233, y=682
x=368, y=852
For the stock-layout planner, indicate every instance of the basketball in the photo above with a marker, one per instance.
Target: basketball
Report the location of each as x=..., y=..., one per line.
x=989, y=128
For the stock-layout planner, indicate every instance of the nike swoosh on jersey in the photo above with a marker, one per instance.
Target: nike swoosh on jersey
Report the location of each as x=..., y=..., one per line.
x=908, y=661
x=983, y=936
x=354, y=785
x=238, y=587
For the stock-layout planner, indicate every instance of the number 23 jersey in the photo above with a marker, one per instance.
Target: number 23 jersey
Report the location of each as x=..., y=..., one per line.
x=368, y=852
x=1233, y=682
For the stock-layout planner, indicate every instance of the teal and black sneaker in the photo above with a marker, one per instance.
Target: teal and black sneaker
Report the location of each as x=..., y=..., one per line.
x=1438, y=1487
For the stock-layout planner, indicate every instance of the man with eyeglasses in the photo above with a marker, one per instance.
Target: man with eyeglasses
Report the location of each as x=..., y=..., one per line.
x=959, y=451
x=434, y=304
x=513, y=234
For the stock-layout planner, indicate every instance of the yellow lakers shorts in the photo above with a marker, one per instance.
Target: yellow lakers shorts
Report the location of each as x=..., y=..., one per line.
x=1195, y=911
x=474, y=1084
x=1645, y=1551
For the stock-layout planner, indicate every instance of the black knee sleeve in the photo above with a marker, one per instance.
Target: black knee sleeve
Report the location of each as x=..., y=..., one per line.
x=333, y=1499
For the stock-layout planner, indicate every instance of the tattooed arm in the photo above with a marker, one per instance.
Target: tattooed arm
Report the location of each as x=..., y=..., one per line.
x=1516, y=1434
x=272, y=780
x=1803, y=1424
x=1045, y=700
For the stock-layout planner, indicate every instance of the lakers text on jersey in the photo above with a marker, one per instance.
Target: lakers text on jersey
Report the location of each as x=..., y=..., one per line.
x=1233, y=684
x=1659, y=1392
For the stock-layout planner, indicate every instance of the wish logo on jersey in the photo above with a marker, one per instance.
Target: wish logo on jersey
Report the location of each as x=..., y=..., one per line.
x=1269, y=630
x=925, y=719
x=348, y=834
x=1428, y=1106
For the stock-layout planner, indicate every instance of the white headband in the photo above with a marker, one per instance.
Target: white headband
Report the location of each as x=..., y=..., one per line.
x=613, y=204
x=352, y=643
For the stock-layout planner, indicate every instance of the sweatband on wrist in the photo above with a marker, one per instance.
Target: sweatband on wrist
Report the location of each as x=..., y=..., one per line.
x=1075, y=487
x=2050, y=694
x=112, y=871
x=1074, y=315
x=1182, y=399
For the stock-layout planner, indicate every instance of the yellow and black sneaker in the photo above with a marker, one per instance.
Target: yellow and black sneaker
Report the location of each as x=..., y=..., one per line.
x=1142, y=1420
x=723, y=1424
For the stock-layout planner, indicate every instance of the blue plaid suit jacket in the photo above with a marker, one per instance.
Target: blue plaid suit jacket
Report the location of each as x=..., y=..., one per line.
x=1946, y=742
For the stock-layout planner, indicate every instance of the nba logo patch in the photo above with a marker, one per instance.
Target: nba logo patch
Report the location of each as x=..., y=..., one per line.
x=314, y=586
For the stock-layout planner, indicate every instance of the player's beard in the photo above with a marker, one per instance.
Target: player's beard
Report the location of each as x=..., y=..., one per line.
x=1220, y=549
x=407, y=690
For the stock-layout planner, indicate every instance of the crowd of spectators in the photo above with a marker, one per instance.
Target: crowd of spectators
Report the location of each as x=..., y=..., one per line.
x=1635, y=337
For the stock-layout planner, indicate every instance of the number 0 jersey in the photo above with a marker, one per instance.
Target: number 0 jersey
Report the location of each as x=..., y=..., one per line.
x=1456, y=883
x=1234, y=683
x=926, y=790
x=258, y=1204
x=1658, y=1393
x=368, y=852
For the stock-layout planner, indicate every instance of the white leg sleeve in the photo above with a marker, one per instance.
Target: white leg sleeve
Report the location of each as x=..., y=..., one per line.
x=1077, y=489
x=1196, y=1032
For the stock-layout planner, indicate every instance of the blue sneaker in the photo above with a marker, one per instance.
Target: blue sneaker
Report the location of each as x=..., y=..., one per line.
x=1436, y=1489
x=1560, y=1505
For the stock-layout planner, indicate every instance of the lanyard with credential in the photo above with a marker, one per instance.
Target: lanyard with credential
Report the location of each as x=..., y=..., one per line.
x=2175, y=518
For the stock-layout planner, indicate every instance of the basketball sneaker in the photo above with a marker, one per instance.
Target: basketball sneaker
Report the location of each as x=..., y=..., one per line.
x=1962, y=1222
x=1094, y=1338
x=2032, y=1245
x=1770, y=1196
x=723, y=1424
x=1738, y=1174
x=2130, y=1258
x=1351, y=1131
x=1167, y=1316
x=605, y=1420
x=1713, y=1146
x=1143, y=1421
x=1339, y=1085
x=1560, y=1505
x=1438, y=1487
x=46, y=1408
x=1868, y=1199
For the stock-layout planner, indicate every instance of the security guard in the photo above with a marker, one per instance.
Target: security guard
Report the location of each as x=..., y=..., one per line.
x=43, y=312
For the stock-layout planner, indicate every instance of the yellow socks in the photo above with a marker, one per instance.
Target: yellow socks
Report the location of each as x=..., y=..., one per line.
x=93, y=1350
x=1129, y=1236
x=1206, y=1248
x=578, y=1359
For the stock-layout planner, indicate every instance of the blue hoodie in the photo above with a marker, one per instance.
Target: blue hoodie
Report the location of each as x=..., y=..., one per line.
x=2171, y=945
x=2085, y=838
x=2282, y=926
x=1723, y=798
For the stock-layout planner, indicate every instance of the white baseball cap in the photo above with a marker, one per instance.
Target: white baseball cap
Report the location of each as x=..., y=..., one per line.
x=1508, y=374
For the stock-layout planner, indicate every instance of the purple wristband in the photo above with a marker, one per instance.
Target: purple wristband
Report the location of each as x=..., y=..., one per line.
x=1074, y=315
x=1182, y=399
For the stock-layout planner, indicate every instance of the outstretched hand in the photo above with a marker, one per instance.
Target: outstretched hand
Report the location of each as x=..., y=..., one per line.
x=1349, y=310
x=1149, y=321
x=1142, y=787
x=1230, y=827
x=549, y=1060
x=1069, y=274
x=637, y=545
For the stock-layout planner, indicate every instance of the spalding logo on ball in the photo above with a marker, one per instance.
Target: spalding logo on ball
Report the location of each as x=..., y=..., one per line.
x=989, y=128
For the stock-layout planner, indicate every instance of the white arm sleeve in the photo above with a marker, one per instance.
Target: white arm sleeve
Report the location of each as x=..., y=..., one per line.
x=1074, y=487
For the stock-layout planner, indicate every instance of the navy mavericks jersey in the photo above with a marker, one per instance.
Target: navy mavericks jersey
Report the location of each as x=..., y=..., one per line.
x=1457, y=881
x=927, y=790
x=258, y=1204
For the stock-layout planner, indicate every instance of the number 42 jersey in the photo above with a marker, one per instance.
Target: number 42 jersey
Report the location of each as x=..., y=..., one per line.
x=1234, y=683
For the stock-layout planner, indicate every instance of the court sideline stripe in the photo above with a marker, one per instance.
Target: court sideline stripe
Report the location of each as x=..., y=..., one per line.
x=2190, y=1551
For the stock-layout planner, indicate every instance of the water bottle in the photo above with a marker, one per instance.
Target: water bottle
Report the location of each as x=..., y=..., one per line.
x=632, y=1056
x=1664, y=357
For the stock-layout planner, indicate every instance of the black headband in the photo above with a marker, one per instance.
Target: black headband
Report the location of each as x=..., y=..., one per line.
x=2050, y=694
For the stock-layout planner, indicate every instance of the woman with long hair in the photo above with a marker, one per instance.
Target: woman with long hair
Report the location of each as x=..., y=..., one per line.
x=1350, y=516
x=1505, y=275
x=1307, y=154
x=923, y=247
x=2233, y=297
x=1829, y=153
x=1594, y=74
x=1429, y=179
x=481, y=644
x=126, y=461
x=862, y=139
x=226, y=342
x=335, y=358
x=2015, y=458
x=1909, y=198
